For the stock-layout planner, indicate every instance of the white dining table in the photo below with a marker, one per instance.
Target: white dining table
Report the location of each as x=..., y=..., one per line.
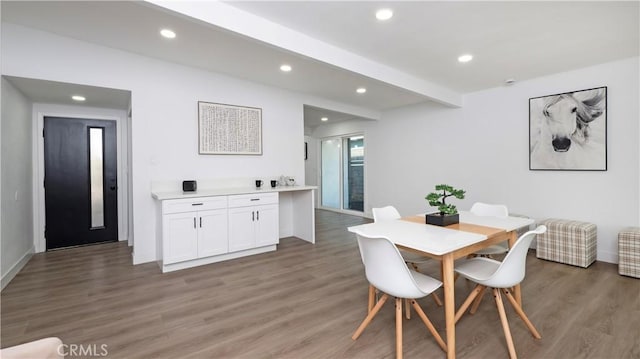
x=447, y=244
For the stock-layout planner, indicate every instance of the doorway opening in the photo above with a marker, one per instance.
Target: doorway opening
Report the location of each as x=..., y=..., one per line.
x=342, y=173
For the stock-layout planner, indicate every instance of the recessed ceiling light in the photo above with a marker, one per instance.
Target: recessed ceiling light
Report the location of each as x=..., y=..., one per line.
x=384, y=14
x=361, y=90
x=324, y=119
x=78, y=98
x=169, y=34
x=285, y=68
x=465, y=58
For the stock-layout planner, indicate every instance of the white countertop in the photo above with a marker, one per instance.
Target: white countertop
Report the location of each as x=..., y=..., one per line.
x=227, y=191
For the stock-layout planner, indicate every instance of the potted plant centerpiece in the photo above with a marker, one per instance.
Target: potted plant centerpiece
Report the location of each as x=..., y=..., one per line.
x=448, y=213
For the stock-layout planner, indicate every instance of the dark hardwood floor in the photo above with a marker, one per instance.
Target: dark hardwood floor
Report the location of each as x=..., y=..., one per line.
x=302, y=301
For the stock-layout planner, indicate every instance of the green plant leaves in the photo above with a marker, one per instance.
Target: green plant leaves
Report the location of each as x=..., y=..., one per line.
x=437, y=199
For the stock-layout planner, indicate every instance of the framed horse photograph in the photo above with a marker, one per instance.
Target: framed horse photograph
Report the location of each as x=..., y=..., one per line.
x=568, y=131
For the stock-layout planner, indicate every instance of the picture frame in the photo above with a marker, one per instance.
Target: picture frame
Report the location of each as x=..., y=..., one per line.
x=229, y=129
x=568, y=131
x=306, y=151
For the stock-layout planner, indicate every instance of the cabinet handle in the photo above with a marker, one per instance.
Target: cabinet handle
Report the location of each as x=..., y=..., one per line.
x=194, y=222
x=253, y=216
x=200, y=222
x=257, y=215
x=196, y=204
x=255, y=199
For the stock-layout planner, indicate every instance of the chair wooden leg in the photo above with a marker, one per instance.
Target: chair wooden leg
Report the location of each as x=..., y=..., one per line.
x=479, y=288
x=429, y=325
x=372, y=298
x=407, y=309
x=399, y=328
x=505, y=323
x=522, y=315
x=476, y=303
x=370, y=316
x=436, y=299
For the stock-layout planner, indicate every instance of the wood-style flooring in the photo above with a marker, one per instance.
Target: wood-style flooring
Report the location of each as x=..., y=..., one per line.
x=302, y=301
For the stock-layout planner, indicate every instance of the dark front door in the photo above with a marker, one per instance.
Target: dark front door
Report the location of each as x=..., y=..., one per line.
x=80, y=182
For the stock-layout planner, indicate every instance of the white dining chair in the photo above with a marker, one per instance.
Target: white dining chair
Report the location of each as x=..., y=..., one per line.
x=390, y=213
x=386, y=270
x=501, y=277
x=492, y=210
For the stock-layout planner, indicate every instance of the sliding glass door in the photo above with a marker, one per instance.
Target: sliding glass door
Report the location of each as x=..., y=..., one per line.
x=342, y=168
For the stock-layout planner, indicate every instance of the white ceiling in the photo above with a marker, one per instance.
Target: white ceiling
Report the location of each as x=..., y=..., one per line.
x=60, y=93
x=517, y=39
x=335, y=47
x=313, y=117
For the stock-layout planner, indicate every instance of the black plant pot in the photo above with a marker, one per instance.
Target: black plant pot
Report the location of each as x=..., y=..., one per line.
x=442, y=220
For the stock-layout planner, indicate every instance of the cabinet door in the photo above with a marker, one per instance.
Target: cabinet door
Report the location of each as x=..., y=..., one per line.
x=241, y=228
x=212, y=232
x=180, y=237
x=267, y=225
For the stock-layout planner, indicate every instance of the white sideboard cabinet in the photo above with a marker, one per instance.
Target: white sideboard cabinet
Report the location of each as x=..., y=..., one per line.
x=194, y=228
x=253, y=221
x=220, y=224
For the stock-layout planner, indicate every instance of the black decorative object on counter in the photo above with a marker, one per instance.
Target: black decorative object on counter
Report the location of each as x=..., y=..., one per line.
x=189, y=186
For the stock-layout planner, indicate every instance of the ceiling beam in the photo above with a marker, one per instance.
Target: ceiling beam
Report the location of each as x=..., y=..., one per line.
x=244, y=23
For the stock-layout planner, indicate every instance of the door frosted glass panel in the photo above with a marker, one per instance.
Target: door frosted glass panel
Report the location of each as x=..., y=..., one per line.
x=331, y=150
x=354, y=173
x=96, y=177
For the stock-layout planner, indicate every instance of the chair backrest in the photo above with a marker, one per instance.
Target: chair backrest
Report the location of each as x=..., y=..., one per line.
x=512, y=269
x=485, y=209
x=385, y=213
x=385, y=269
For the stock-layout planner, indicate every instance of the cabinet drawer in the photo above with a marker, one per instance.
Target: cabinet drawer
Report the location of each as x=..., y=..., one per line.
x=193, y=204
x=244, y=200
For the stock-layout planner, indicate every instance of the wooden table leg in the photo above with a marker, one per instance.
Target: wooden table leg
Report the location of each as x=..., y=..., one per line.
x=513, y=237
x=449, y=304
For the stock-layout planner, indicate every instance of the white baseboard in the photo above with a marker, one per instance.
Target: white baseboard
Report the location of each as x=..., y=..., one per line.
x=214, y=259
x=7, y=277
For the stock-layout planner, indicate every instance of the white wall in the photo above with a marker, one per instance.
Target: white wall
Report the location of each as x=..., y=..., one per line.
x=16, y=236
x=311, y=165
x=483, y=148
x=164, y=127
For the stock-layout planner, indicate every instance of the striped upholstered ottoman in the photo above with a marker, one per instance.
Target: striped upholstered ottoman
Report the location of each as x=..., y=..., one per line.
x=568, y=242
x=629, y=252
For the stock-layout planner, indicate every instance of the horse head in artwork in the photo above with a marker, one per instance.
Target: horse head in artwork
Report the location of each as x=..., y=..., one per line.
x=567, y=119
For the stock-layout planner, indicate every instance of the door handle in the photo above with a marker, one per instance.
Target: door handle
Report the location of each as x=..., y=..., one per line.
x=113, y=188
x=200, y=222
x=253, y=216
x=194, y=222
x=257, y=215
